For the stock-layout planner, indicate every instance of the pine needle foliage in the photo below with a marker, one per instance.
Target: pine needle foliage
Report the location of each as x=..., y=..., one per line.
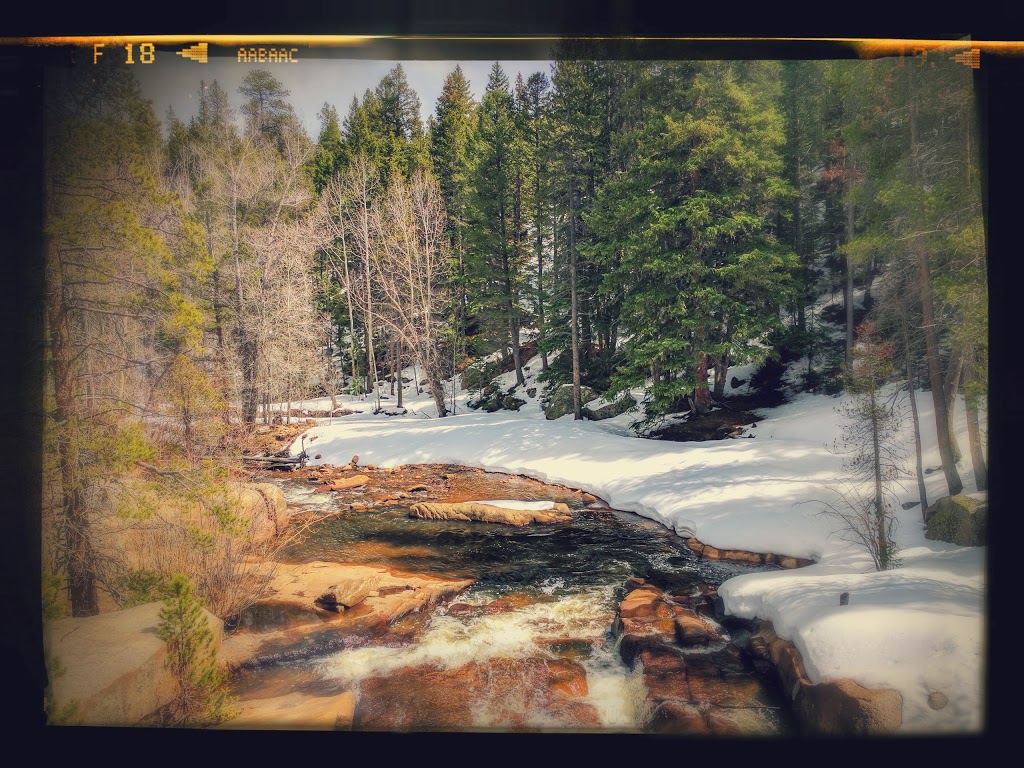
x=202, y=698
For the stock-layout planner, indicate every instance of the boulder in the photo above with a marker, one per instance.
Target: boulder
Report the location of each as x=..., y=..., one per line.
x=335, y=597
x=257, y=511
x=834, y=707
x=958, y=520
x=641, y=602
x=696, y=683
x=672, y=716
x=528, y=694
x=488, y=513
x=264, y=505
x=560, y=402
x=346, y=482
x=610, y=410
x=297, y=712
x=113, y=670
x=844, y=708
x=510, y=403
x=691, y=629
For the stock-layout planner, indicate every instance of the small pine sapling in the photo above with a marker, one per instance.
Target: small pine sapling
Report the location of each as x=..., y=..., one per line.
x=202, y=698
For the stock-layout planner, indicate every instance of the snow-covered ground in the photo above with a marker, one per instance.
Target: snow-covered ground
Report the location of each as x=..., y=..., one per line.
x=919, y=628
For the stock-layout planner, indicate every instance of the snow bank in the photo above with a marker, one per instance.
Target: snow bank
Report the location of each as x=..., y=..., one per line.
x=917, y=629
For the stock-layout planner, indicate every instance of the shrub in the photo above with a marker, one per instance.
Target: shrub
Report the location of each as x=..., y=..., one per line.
x=478, y=375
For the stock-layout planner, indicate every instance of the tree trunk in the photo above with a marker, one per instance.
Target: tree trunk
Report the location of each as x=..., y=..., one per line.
x=931, y=335
x=79, y=563
x=921, y=491
x=398, y=375
x=513, y=332
x=848, y=287
x=351, y=314
x=975, y=442
x=463, y=310
x=586, y=331
x=950, y=388
x=880, y=527
x=436, y=390
x=246, y=344
x=935, y=378
x=540, y=290
x=391, y=355
x=912, y=389
x=801, y=318
x=701, y=397
x=721, y=374
x=371, y=362
x=577, y=404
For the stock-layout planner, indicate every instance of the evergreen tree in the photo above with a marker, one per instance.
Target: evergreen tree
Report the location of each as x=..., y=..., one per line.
x=702, y=271
x=535, y=128
x=913, y=136
x=330, y=151
x=591, y=101
x=202, y=697
x=117, y=251
x=451, y=134
x=266, y=109
x=802, y=105
x=572, y=151
x=400, y=130
x=494, y=258
x=361, y=129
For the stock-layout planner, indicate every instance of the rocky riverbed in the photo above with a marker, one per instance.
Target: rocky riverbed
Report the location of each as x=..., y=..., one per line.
x=399, y=621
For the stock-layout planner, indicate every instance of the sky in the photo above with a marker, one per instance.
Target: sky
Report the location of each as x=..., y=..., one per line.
x=917, y=629
x=174, y=82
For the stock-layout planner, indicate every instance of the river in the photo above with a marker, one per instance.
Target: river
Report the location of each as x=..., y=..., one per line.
x=538, y=616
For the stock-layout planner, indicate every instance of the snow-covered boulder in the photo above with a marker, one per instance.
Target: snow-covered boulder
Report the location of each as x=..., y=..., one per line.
x=600, y=410
x=492, y=513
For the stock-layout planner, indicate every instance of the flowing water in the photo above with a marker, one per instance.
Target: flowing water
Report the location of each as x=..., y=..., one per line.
x=539, y=613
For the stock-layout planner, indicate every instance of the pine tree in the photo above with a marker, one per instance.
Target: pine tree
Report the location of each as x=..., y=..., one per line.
x=451, y=135
x=535, y=128
x=330, y=151
x=921, y=214
x=573, y=148
x=399, y=128
x=202, y=697
x=266, y=109
x=113, y=294
x=702, y=273
x=495, y=254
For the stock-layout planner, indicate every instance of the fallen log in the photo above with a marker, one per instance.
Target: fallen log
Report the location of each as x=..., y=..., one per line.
x=276, y=462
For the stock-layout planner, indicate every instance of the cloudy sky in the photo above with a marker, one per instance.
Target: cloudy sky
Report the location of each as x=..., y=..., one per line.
x=172, y=81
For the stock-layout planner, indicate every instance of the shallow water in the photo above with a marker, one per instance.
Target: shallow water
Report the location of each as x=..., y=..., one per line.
x=557, y=588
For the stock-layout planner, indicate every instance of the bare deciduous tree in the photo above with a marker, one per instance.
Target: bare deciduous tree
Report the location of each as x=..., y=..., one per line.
x=873, y=455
